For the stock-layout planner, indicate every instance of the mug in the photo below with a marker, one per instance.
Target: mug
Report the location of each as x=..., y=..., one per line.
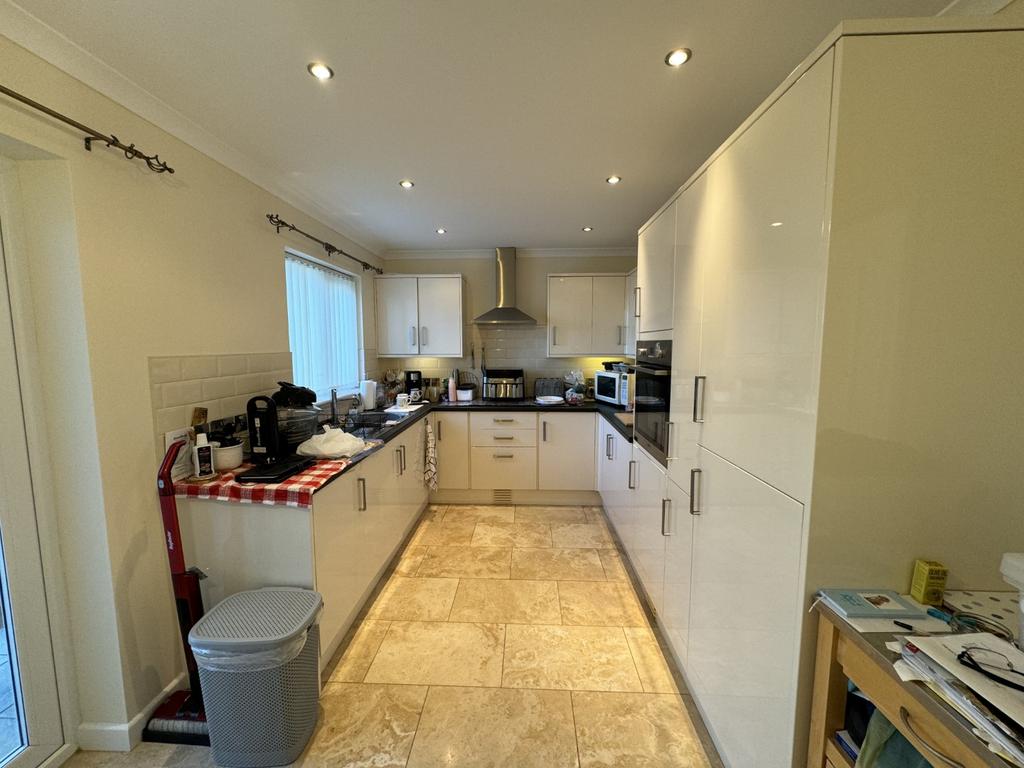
x=414, y=395
x=402, y=400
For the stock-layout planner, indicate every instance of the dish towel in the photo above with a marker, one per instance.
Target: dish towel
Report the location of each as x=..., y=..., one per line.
x=430, y=465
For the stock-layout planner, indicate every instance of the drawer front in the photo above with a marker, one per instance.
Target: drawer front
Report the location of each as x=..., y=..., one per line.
x=502, y=467
x=502, y=420
x=486, y=438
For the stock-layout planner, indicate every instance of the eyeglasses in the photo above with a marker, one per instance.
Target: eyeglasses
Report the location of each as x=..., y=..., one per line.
x=992, y=664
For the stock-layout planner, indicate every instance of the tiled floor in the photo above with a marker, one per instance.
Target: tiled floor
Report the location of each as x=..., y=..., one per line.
x=507, y=636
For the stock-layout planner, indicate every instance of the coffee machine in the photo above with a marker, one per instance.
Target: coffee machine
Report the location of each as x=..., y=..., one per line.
x=414, y=385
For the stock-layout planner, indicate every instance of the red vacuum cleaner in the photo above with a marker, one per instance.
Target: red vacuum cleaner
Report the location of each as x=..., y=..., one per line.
x=180, y=719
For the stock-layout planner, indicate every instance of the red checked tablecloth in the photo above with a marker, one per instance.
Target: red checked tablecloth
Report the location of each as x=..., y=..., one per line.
x=296, y=491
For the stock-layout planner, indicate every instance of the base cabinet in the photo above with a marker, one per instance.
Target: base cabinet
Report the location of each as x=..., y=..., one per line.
x=565, y=452
x=451, y=438
x=646, y=534
x=615, y=475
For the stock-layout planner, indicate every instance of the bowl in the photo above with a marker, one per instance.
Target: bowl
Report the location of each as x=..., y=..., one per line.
x=227, y=458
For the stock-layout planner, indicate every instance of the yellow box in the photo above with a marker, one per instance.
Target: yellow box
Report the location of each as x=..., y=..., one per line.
x=929, y=582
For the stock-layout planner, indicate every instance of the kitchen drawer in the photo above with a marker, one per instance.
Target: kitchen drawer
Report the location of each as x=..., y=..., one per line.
x=500, y=467
x=502, y=420
x=504, y=437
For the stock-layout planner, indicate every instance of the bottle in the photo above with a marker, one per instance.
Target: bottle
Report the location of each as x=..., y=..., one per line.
x=202, y=458
x=452, y=387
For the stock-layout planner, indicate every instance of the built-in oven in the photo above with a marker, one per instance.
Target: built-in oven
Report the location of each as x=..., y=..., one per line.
x=653, y=388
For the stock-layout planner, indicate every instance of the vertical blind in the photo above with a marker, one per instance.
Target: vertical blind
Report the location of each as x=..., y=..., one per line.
x=323, y=326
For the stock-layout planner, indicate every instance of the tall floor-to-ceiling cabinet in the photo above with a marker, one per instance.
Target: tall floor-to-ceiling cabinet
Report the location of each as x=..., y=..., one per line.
x=839, y=265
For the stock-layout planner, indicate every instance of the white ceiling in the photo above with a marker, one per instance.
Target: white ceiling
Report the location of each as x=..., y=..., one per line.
x=508, y=114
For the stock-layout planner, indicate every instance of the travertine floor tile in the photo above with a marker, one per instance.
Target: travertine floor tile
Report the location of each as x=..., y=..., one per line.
x=495, y=728
x=439, y=653
x=655, y=675
x=444, y=534
x=477, y=513
x=467, y=562
x=578, y=658
x=538, y=514
x=595, y=514
x=626, y=730
x=415, y=599
x=581, y=535
x=410, y=561
x=605, y=604
x=370, y=726
x=434, y=512
x=146, y=755
x=558, y=564
x=506, y=601
x=614, y=569
x=360, y=652
x=512, y=535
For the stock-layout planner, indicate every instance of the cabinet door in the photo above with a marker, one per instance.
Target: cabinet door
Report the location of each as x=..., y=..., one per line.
x=440, y=313
x=745, y=612
x=451, y=436
x=675, y=611
x=630, y=346
x=647, y=540
x=512, y=468
x=605, y=462
x=693, y=227
x=608, y=334
x=566, y=452
x=764, y=288
x=655, y=256
x=570, y=315
x=397, y=318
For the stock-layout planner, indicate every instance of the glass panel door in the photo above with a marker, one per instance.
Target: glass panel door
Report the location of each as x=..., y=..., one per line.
x=30, y=723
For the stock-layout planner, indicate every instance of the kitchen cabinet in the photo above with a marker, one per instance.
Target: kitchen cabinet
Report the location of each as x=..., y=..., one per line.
x=654, y=272
x=629, y=348
x=646, y=534
x=419, y=315
x=451, y=436
x=675, y=609
x=586, y=314
x=504, y=450
x=616, y=478
x=565, y=457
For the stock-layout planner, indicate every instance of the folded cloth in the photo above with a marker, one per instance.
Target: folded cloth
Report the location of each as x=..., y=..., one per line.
x=430, y=464
x=332, y=444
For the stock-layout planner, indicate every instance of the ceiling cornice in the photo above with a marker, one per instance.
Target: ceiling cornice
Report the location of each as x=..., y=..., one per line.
x=38, y=38
x=523, y=253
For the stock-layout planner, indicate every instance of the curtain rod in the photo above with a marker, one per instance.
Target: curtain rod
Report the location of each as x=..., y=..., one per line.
x=131, y=152
x=279, y=224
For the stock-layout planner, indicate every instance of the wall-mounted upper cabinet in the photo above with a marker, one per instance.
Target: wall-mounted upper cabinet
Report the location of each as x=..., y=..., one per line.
x=419, y=315
x=654, y=272
x=586, y=315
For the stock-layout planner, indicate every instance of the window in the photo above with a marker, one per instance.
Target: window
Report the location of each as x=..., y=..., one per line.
x=323, y=326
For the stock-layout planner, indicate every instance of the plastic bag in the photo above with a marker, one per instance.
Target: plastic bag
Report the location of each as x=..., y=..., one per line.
x=332, y=444
x=253, y=661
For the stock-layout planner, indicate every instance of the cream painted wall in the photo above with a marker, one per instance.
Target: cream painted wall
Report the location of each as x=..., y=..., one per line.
x=169, y=265
x=1013, y=12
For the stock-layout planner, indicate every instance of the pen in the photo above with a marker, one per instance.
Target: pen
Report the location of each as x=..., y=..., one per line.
x=903, y=625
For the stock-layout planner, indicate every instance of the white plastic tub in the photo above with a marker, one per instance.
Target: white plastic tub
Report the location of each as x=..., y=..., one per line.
x=1012, y=569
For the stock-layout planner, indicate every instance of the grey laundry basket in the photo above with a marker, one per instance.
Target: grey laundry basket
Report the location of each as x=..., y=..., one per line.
x=258, y=654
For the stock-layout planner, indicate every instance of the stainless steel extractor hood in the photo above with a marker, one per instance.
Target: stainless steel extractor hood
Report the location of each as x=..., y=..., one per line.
x=505, y=312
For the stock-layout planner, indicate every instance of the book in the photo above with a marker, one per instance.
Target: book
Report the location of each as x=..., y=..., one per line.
x=870, y=604
x=847, y=744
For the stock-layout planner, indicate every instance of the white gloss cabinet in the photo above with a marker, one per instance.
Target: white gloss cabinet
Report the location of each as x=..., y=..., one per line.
x=629, y=348
x=615, y=475
x=654, y=266
x=451, y=438
x=646, y=532
x=419, y=315
x=675, y=609
x=586, y=314
x=565, y=455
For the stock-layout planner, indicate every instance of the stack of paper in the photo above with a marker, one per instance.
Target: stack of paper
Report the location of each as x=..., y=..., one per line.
x=995, y=711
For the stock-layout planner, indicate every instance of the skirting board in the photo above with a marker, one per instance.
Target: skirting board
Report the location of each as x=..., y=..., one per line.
x=548, y=498
x=123, y=737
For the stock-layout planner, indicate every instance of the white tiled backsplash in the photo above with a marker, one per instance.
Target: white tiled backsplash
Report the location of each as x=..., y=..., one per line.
x=222, y=384
x=503, y=347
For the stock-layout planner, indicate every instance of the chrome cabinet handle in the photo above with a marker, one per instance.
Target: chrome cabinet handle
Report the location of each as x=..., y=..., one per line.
x=669, y=434
x=361, y=482
x=608, y=447
x=944, y=759
x=423, y=336
x=504, y=421
x=666, y=507
x=636, y=304
x=699, y=384
x=503, y=456
x=554, y=335
x=504, y=437
x=621, y=342
x=439, y=431
x=631, y=481
x=544, y=431
x=694, y=476
x=401, y=450
x=412, y=336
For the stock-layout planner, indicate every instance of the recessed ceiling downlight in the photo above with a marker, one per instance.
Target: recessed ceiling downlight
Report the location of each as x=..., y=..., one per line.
x=440, y=230
x=320, y=71
x=613, y=179
x=678, y=57
x=406, y=184
x=588, y=229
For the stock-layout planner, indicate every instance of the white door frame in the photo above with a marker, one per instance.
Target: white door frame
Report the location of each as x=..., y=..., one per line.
x=34, y=579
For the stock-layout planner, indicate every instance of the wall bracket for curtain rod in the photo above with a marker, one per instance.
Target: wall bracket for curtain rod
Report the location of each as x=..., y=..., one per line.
x=278, y=223
x=131, y=152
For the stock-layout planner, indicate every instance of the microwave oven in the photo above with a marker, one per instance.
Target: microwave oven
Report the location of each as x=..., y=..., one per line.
x=614, y=387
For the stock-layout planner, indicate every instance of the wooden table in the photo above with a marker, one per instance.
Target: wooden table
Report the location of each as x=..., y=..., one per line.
x=942, y=736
